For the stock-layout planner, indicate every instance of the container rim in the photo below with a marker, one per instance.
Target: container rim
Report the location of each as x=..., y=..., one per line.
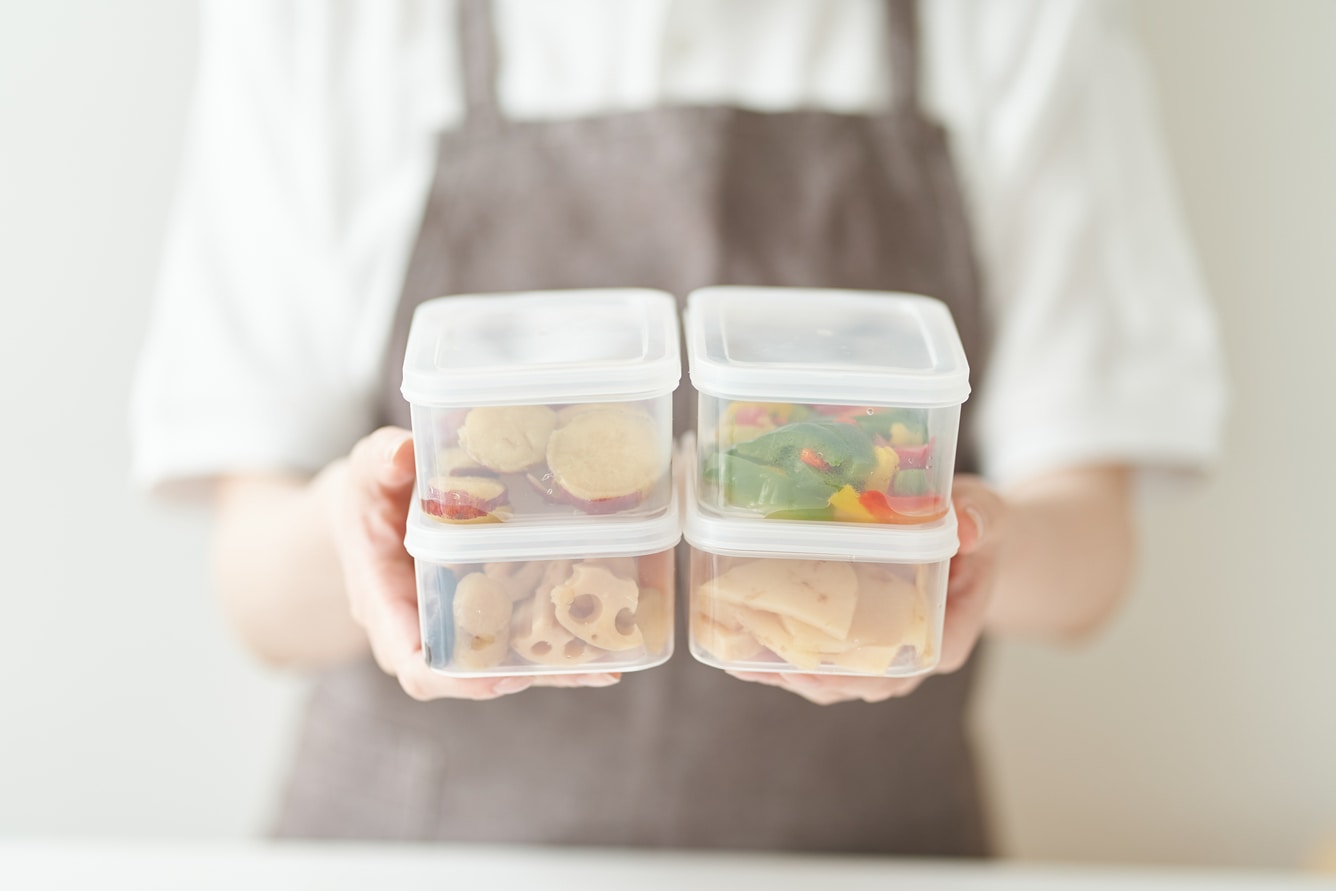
x=435, y=542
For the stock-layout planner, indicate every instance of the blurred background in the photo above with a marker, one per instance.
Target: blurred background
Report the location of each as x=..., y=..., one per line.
x=1200, y=728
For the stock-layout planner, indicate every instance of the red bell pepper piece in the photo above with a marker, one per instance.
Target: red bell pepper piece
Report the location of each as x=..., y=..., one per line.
x=814, y=460
x=903, y=509
x=922, y=508
x=875, y=503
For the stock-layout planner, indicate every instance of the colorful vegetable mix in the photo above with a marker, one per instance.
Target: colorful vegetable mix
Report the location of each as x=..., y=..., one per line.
x=844, y=463
x=837, y=453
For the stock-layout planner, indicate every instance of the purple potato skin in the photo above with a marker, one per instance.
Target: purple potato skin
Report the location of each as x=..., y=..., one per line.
x=548, y=487
x=460, y=504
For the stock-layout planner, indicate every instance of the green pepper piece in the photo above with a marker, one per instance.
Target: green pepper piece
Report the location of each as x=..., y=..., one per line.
x=760, y=487
x=910, y=482
x=768, y=448
x=831, y=453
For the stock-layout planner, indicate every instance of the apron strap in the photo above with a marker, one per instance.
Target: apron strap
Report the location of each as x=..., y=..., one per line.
x=478, y=57
x=903, y=45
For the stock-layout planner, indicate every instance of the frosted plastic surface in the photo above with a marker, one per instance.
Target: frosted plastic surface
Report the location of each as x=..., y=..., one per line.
x=821, y=345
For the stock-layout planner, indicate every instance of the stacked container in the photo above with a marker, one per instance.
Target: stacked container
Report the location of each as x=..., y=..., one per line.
x=818, y=507
x=545, y=516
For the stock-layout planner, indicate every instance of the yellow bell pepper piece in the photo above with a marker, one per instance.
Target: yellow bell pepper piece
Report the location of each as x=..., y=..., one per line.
x=879, y=480
x=848, y=508
x=903, y=436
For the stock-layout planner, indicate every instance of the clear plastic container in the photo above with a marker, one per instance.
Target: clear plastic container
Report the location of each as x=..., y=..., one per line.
x=817, y=598
x=544, y=406
x=548, y=599
x=825, y=406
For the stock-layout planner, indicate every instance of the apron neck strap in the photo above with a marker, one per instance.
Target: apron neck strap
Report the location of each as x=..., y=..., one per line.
x=477, y=51
x=479, y=57
x=903, y=45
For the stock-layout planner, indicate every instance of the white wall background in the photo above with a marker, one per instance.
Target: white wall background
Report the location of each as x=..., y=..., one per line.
x=124, y=706
x=1202, y=726
x=1200, y=729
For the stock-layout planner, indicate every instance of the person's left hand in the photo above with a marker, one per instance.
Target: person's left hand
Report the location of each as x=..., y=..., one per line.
x=982, y=517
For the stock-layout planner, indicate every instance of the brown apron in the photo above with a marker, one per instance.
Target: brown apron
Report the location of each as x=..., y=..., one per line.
x=683, y=756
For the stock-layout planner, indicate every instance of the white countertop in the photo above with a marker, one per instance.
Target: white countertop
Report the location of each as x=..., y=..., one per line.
x=40, y=865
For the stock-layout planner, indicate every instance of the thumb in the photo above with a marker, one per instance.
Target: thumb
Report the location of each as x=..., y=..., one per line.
x=386, y=457
x=980, y=513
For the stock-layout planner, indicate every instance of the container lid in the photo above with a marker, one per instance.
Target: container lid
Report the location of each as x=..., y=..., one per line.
x=437, y=542
x=870, y=542
x=825, y=346
x=542, y=347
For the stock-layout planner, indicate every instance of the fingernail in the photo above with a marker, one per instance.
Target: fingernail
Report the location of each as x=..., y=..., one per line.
x=600, y=680
x=512, y=685
x=977, y=518
x=392, y=451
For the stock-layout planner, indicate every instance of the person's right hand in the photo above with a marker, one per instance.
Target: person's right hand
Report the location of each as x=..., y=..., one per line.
x=367, y=496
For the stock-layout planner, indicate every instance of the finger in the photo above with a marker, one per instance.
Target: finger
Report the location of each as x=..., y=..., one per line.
x=759, y=677
x=380, y=481
x=970, y=527
x=812, y=689
x=962, y=575
x=830, y=689
x=606, y=679
x=383, y=597
x=378, y=573
x=882, y=689
x=423, y=684
x=982, y=528
x=431, y=685
x=392, y=629
x=770, y=679
x=384, y=458
x=980, y=513
x=868, y=689
x=967, y=599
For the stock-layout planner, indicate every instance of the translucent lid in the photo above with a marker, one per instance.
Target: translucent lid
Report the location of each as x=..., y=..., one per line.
x=786, y=539
x=427, y=539
x=821, y=345
x=542, y=347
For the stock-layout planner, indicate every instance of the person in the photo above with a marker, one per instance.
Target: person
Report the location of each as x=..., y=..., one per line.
x=346, y=162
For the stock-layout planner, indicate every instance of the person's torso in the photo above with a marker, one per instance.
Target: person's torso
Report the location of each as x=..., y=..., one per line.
x=673, y=198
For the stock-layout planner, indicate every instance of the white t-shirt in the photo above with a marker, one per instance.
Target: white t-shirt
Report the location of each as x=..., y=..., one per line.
x=311, y=148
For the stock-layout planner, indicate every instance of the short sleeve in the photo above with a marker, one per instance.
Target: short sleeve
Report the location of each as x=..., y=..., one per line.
x=304, y=168
x=1105, y=347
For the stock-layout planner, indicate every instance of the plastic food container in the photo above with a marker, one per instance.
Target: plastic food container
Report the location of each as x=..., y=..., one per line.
x=825, y=405
x=817, y=598
x=550, y=599
x=544, y=406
